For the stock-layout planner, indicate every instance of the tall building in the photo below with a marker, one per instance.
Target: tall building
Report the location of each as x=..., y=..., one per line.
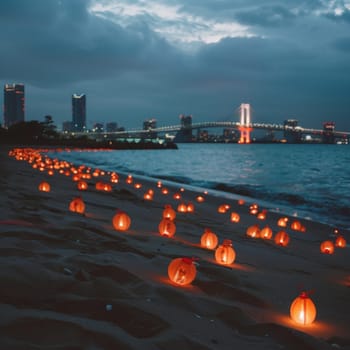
x=79, y=112
x=13, y=104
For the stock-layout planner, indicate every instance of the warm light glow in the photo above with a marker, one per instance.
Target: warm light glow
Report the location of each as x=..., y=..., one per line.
x=121, y=221
x=225, y=254
x=182, y=271
x=303, y=310
x=209, y=239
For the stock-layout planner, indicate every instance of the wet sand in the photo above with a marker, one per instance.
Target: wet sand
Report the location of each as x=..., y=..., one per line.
x=71, y=281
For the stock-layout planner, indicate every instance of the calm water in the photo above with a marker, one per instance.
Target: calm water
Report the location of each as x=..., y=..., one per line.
x=310, y=181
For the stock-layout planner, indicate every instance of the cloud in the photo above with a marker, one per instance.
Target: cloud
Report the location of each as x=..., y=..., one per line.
x=160, y=58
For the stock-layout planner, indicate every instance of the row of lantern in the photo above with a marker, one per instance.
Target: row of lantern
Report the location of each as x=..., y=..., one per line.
x=182, y=271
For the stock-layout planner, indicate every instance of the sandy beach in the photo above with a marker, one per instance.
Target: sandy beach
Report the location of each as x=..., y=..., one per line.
x=72, y=281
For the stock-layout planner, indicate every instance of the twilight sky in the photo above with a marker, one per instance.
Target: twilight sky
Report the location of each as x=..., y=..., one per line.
x=138, y=59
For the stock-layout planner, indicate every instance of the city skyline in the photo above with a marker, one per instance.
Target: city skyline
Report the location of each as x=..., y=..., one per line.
x=137, y=61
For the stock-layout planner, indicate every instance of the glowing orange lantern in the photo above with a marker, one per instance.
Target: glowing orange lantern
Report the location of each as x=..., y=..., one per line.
x=225, y=254
x=296, y=225
x=190, y=208
x=266, y=233
x=106, y=187
x=182, y=271
x=77, y=205
x=209, y=239
x=182, y=208
x=44, y=187
x=169, y=212
x=137, y=185
x=253, y=231
x=200, y=199
x=235, y=217
x=177, y=196
x=82, y=185
x=340, y=242
x=282, y=238
x=303, y=309
x=262, y=215
x=165, y=190
x=253, y=209
x=167, y=228
x=327, y=247
x=129, y=179
x=241, y=202
x=282, y=222
x=223, y=208
x=121, y=221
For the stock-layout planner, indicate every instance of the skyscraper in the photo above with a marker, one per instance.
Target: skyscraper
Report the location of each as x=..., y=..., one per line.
x=13, y=104
x=78, y=112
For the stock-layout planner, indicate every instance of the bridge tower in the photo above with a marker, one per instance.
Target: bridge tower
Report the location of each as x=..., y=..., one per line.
x=245, y=125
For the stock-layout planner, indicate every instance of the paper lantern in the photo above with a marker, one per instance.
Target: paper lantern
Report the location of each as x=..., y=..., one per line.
x=282, y=238
x=107, y=187
x=190, y=208
x=225, y=254
x=327, y=247
x=44, y=187
x=177, y=196
x=167, y=228
x=241, y=202
x=340, y=242
x=165, y=191
x=200, y=199
x=77, y=205
x=266, y=233
x=82, y=185
x=235, y=217
x=169, y=212
x=254, y=209
x=296, y=225
x=282, y=222
x=223, y=208
x=182, y=208
x=262, y=215
x=253, y=231
x=209, y=239
x=129, y=179
x=303, y=309
x=121, y=221
x=182, y=271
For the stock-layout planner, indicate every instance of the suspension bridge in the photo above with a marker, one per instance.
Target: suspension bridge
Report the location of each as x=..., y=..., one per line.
x=292, y=131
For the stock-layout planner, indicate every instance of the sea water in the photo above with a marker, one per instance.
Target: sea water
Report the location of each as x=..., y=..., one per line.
x=304, y=180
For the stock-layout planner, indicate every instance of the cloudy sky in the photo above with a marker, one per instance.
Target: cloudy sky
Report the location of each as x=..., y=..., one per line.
x=138, y=59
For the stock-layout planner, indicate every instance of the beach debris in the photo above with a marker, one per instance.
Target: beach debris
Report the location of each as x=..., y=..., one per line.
x=67, y=271
x=182, y=271
x=303, y=310
x=225, y=254
x=121, y=221
x=209, y=239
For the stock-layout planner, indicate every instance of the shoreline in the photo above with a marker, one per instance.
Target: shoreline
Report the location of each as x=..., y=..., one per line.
x=65, y=268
